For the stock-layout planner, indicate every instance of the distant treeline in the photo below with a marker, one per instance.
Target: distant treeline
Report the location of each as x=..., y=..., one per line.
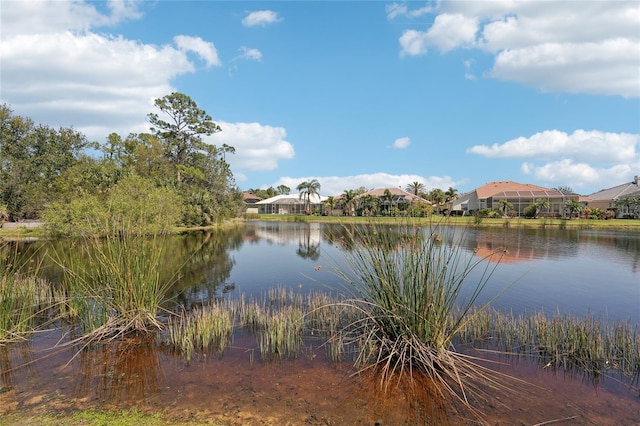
x=150, y=181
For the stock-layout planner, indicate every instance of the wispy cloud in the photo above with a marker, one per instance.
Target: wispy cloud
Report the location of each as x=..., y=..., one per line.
x=250, y=54
x=261, y=18
x=401, y=143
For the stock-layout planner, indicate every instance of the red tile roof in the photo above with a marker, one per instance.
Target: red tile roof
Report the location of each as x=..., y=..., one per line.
x=514, y=189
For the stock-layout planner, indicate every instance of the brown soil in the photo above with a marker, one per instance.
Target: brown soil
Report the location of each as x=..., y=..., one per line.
x=238, y=389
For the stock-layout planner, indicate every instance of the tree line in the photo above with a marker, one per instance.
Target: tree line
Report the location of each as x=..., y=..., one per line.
x=167, y=177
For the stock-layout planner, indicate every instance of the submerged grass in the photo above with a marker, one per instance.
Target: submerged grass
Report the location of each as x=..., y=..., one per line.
x=24, y=297
x=586, y=344
x=203, y=328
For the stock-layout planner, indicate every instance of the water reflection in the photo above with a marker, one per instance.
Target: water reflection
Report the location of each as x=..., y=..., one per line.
x=16, y=364
x=118, y=371
x=576, y=271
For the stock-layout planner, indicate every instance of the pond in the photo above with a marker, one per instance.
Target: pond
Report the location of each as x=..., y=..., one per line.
x=574, y=271
x=578, y=272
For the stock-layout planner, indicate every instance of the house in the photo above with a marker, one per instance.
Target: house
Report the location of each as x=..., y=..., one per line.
x=608, y=199
x=290, y=204
x=385, y=198
x=520, y=195
x=250, y=200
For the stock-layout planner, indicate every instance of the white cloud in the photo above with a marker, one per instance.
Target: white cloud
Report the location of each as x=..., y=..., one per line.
x=401, y=143
x=336, y=185
x=58, y=72
x=48, y=17
x=258, y=147
x=447, y=32
x=581, y=175
x=582, y=145
x=204, y=49
x=261, y=18
x=561, y=46
x=588, y=159
x=251, y=54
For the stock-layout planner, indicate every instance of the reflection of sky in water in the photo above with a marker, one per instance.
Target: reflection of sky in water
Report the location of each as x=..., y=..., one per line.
x=576, y=272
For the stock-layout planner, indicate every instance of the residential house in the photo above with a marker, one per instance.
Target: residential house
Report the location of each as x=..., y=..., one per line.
x=250, y=201
x=520, y=195
x=290, y=204
x=389, y=198
x=607, y=199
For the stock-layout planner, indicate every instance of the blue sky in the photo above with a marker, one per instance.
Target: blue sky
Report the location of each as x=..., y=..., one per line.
x=360, y=93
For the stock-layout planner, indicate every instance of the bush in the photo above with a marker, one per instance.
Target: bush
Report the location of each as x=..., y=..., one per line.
x=134, y=204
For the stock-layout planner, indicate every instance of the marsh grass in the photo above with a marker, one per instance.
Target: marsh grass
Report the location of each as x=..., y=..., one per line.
x=588, y=344
x=114, y=287
x=411, y=293
x=203, y=328
x=25, y=298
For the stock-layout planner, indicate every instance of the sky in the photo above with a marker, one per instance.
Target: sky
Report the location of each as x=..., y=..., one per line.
x=351, y=93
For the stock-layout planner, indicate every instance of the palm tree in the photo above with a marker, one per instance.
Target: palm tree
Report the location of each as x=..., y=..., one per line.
x=541, y=204
x=369, y=204
x=505, y=206
x=388, y=199
x=307, y=189
x=451, y=194
x=437, y=196
x=349, y=195
x=330, y=203
x=283, y=189
x=628, y=202
x=415, y=188
x=574, y=206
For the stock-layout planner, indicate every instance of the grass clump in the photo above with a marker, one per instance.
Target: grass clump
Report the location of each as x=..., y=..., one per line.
x=24, y=297
x=409, y=283
x=203, y=328
x=114, y=287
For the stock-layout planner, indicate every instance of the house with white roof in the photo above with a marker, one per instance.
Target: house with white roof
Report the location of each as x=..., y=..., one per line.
x=290, y=204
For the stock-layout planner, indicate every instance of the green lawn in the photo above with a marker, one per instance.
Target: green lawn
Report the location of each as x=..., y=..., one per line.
x=623, y=224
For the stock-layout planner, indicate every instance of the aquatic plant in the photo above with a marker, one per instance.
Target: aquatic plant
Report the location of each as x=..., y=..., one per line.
x=115, y=287
x=587, y=344
x=23, y=295
x=408, y=286
x=202, y=328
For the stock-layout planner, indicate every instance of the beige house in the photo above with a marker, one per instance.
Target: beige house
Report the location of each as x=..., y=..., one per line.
x=250, y=201
x=520, y=195
x=607, y=199
x=290, y=204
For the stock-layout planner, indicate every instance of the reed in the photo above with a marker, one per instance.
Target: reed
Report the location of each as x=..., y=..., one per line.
x=203, y=328
x=585, y=344
x=115, y=288
x=409, y=284
x=24, y=297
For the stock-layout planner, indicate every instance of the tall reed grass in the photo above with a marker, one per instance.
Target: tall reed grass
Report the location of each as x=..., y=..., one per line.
x=408, y=286
x=114, y=287
x=24, y=297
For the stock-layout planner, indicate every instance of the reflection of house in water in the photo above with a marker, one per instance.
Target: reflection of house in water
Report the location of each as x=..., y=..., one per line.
x=502, y=254
x=515, y=245
x=290, y=233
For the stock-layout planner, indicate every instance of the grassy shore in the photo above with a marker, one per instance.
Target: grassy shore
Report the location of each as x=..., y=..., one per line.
x=22, y=232
x=611, y=224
